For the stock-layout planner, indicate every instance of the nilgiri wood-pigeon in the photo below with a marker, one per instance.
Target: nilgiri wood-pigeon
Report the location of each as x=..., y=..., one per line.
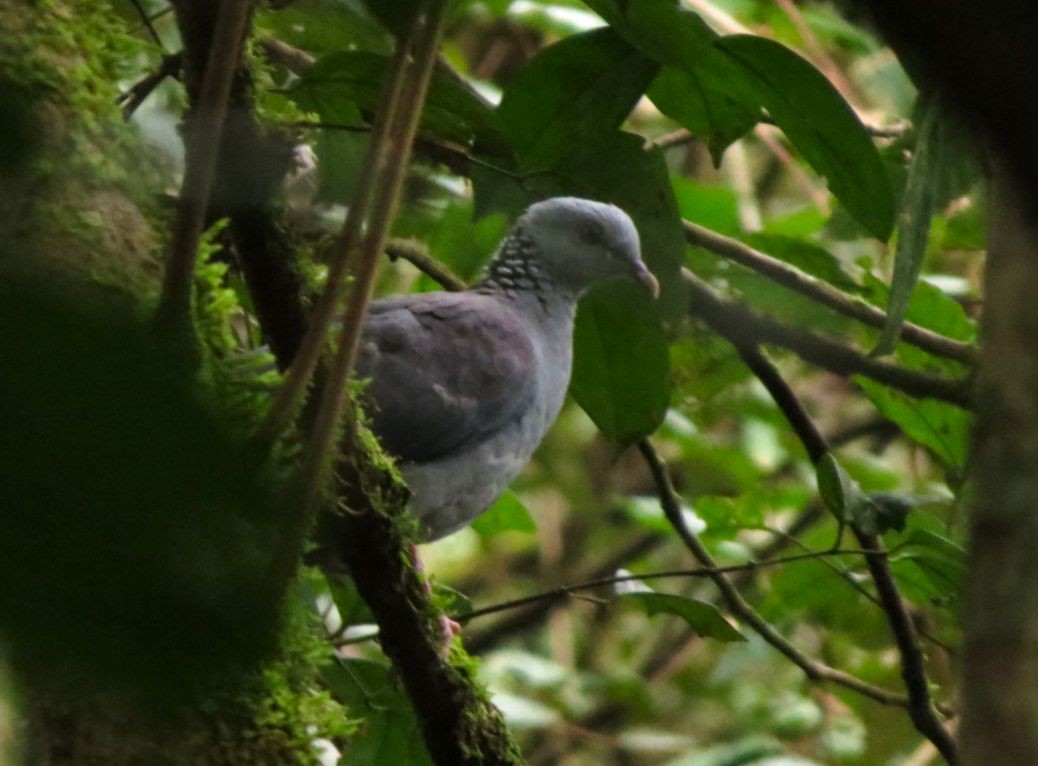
x=463, y=386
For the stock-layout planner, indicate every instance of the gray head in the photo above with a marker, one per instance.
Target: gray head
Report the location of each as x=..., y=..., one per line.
x=575, y=243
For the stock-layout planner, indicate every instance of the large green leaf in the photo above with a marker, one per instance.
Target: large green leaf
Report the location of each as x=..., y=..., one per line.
x=929, y=566
x=823, y=128
x=323, y=26
x=745, y=73
x=507, y=514
x=702, y=617
x=697, y=100
x=620, y=363
x=348, y=79
x=699, y=86
x=572, y=96
x=939, y=426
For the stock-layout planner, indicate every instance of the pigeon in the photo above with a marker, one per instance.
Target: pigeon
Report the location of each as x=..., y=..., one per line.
x=463, y=386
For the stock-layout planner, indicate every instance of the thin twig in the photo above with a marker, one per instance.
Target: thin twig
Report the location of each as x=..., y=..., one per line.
x=371, y=192
x=814, y=670
x=146, y=21
x=821, y=292
x=155, y=17
x=402, y=134
x=740, y=325
x=305, y=361
x=204, y=131
x=704, y=571
x=913, y=670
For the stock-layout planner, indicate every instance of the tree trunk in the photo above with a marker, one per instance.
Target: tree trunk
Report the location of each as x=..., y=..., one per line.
x=77, y=208
x=1000, y=715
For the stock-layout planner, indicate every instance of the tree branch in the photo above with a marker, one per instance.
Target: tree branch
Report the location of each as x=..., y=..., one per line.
x=814, y=670
x=417, y=255
x=308, y=354
x=207, y=122
x=252, y=164
x=146, y=22
x=139, y=91
x=459, y=726
x=563, y=591
x=741, y=325
x=821, y=292
x=913, y=671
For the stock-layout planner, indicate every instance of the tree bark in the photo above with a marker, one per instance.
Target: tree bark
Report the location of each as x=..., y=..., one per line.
x=1000, y=716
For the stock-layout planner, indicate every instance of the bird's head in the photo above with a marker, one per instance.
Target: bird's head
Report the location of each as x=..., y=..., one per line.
x=580, y=242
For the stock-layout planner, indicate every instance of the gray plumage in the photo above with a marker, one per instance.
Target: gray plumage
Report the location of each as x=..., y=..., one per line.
x=463, y=386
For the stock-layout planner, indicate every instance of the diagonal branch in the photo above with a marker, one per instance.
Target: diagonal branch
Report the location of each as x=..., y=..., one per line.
x=821, y=292
x=814, y=670
x=913, y=669
x=742, y=325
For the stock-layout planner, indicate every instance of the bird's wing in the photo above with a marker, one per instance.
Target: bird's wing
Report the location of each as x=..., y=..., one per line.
x=445, y=370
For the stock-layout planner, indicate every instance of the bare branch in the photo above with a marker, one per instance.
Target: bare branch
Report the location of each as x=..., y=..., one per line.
x=139, y=92
x=742, y=325
x=823, y=293
x=814, y=670
x=416, y=254
x=294, y=59
x=147, y=22
x=556, y=594
x=913, y=669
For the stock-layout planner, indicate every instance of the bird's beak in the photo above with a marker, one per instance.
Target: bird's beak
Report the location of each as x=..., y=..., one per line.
x=646, y=277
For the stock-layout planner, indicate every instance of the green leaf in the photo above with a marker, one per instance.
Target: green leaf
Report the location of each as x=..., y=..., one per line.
x=846, y=499
x=620, y=362
x=701, y=88
x=823, y=128
x=346, y=78
x=507, y=514
x=836, y=487
x=390, y=733
x=572, y=96
x=702, y=617
x=939, y=426
x=694, y=100
x=938, y=563
x=930, y=307
x=323, y=26
x=917, y=209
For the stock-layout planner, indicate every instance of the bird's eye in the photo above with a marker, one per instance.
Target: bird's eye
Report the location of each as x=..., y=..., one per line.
x=591, y=233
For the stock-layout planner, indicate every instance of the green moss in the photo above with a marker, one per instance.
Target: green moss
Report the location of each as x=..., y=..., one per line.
x=79, y=205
